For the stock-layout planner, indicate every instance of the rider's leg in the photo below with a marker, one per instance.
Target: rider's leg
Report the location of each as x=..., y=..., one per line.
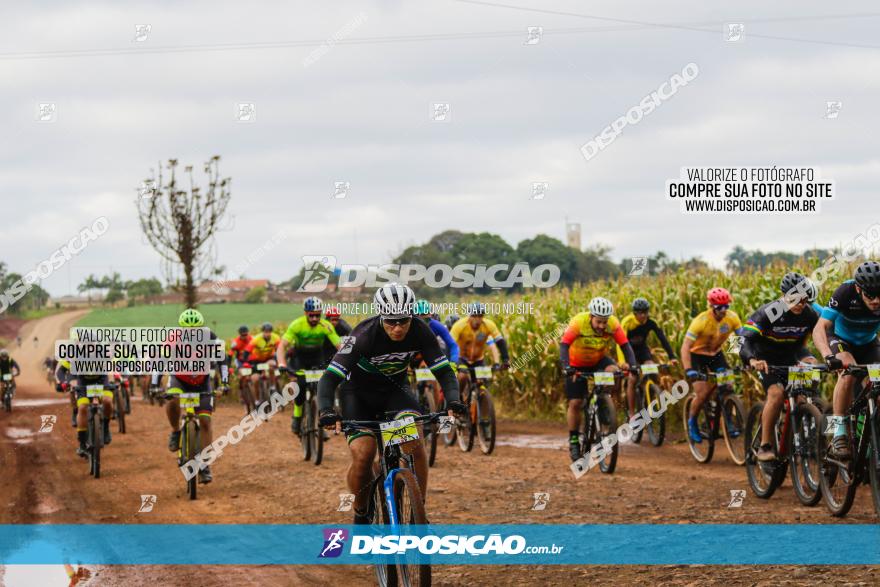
x=772, y=408
x=172, y=411
x=701, y=392
x=420, y=465
x=360, y=471
x=631, y=393
x=206, y=433
x=573, y=417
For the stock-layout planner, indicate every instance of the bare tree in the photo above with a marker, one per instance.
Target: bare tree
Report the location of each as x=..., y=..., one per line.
x=181, y=224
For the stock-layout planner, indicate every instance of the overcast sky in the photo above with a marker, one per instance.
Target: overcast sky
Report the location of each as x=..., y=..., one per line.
x=360, y=111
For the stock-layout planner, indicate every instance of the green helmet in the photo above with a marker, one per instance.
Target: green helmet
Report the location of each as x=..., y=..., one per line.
x=422, y=307
x=191, y=318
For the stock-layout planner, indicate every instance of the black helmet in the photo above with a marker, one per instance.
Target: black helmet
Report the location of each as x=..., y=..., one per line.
x=868, y=277
x=266, y=326
x=791, y=281
x=641, y=305
x=450, y=320
x=243, y=329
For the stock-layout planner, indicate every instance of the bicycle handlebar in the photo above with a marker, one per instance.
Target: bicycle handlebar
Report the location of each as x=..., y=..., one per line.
x=373, y=425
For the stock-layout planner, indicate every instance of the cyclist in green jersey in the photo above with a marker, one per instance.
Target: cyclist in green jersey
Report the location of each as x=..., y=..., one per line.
x=306, y=336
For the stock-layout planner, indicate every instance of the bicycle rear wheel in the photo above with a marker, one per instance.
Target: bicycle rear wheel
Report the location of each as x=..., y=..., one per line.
x=486, y=422
x=464, y=426
x=701, y=451
x=304, y=437
x=838, y=482
x=656, y=425
x=640, y=403
x=805, y=464
x=604, y=426
x=410, y=511
x=315, y=431
x=7, y=401
x=386, y=575
x=732, y=425
x=126, y=394
x=764, y=477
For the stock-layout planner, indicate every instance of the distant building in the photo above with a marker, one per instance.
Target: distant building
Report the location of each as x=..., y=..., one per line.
x=573, y=235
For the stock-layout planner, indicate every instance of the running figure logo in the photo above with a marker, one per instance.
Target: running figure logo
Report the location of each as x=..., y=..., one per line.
x=639, y=264
x=737, y=496
x=47, y=422
x=541, y=500
x=346, y=500
x=334, y=539
x=147, y=503
x=318, y=269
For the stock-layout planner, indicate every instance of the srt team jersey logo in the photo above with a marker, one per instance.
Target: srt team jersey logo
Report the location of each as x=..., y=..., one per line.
x=334, y=540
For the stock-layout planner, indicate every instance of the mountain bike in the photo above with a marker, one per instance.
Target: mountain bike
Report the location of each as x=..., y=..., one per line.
x=600, y=417
x=190, y=439
x=840, y=479
x=311, y=436
x=795, y=438
x=8, y=385
x=244, y=389
x=424, y=386
x=722, y=415
x=481, y=420
x=264, y=390
x=95, y=430
x=121, y=404
x=394, y=496
x=647, y=390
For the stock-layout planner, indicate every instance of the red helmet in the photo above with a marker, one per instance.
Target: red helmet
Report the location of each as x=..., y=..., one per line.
x=718, y=296
x=333, y=312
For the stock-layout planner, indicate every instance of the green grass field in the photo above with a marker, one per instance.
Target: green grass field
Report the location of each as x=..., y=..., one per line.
x=223, y=319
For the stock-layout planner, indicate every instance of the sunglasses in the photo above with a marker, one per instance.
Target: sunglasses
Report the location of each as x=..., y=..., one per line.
x=721, y=308
x=314, y=314
x=870, y=296
x=396, y=321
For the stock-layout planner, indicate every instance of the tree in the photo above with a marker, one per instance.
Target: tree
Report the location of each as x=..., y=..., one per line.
x=181, y=225
x=143, y=288
x=594, y=263
x=544, y=249
x=255, y=295
x=33, y=299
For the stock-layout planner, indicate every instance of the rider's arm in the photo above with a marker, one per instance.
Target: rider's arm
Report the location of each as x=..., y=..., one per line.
x=686, y=353
x=499, y=340
x=664, y=342
x=327, y=388
x=568, y=337
x=823, y=330
x=751, y=335
x=436, y=361
x=441, y=331
x=16, y=367
x=623, y=343
x=330, y=333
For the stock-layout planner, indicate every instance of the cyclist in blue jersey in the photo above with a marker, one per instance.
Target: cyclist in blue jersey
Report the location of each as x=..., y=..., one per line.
x=422, y=309
x=846, y=334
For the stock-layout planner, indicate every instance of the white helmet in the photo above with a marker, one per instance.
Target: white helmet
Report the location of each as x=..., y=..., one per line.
x=601, y=307
x=394, y=300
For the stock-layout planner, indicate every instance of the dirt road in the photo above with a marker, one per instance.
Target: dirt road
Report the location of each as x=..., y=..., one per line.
x=263, y=479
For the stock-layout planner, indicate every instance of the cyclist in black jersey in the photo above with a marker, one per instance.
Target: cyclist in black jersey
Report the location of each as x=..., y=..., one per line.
x=638, y=326
x=374, y=367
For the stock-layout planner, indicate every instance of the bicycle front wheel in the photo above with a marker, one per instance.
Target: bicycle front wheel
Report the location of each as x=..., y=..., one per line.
x=732, y=426
x=605, y=425
x=486, y=422
x=656, y=425
x=464, y=426
x=805, y=464
x=838, y=481
x=96, y=442
x=410, y=511
x=764, y=477
x=701, y=451
x=189, y=448
x=874, y=461
x=305, y=425
x=119, y=406
x=316, y=432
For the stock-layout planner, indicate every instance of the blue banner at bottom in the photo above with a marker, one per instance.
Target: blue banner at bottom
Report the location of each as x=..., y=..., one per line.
x=529, y=544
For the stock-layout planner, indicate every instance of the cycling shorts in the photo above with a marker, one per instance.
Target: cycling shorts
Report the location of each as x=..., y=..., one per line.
x=772, y=378
x=709, y=362
x=359, y=404
x=864, y=354
x=577, y=389
x=642, y=353
x=206, y=399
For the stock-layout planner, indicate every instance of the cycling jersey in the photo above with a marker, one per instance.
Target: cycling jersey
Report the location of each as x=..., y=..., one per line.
x=310, y=339
x=444, y=338
x=7, y=365
x=637, y=335
x=259, y=349
x=342, y=328
x=781, y=341
x=853, y=321
x=586, y=347
x=709, y=334
x=375, y=363
x=472, y=343
x=194, y=379
x=237, y=346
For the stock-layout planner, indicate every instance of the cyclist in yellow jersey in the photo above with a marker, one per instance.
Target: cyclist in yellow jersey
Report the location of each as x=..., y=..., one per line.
x=472, y=335
x=701, y=349
x=261, y=349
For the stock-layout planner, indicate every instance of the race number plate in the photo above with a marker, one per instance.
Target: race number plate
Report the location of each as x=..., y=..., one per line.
x=7, y=377
x=603, y=378
x=189, y=399
x=313, y=376
x=262, y=366
x=801, y=376
x=649, y=369
x=399, y=431
x=94, y=390
x=874, y=372
x=724, y=378
x=425, y=375
x=245, y=371
x=483, y=372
